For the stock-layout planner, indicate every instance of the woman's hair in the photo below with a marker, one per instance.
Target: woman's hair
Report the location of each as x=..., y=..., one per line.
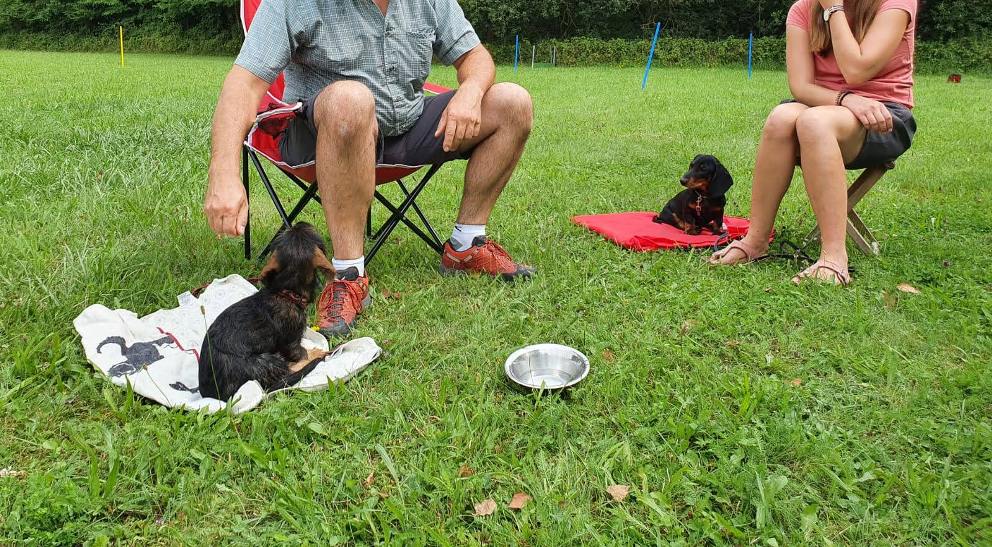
x=862, y=14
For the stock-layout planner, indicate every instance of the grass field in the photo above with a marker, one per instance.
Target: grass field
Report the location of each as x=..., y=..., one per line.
x=737, y=407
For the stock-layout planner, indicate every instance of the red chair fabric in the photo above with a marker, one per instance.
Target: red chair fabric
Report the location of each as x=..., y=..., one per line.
x=637, y=231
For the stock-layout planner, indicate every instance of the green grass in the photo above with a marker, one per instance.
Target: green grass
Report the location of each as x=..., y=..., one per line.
x=738, y=407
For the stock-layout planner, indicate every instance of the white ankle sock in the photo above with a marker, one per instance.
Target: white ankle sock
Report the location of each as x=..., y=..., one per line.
x=464, y=234
x=342, y=265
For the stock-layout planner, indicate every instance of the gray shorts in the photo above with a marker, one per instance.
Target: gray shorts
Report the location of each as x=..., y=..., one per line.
x=415, y=147
x=881, y=148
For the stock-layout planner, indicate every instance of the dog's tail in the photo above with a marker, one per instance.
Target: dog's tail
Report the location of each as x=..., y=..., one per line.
x=112, y=340
x=294, y=378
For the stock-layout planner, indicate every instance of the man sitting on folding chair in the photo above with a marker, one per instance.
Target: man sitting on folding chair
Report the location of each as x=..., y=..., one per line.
x=359, y=67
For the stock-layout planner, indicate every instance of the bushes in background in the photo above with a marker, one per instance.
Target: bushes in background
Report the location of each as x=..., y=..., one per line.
x=972, y=55
x=954, y=35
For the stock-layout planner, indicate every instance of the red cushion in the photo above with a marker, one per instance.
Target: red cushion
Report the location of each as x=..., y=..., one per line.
x=638, y=232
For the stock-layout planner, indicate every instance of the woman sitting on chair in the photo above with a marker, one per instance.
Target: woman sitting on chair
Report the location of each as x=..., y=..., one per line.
x=850, y=68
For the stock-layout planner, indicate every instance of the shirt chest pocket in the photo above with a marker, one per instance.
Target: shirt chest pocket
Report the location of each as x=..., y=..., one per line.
x=414, y=50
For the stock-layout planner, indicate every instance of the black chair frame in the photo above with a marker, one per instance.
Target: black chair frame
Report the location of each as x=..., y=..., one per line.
x=398, y=212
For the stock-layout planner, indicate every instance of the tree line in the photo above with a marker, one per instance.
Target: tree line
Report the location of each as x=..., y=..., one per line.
x=497, y=21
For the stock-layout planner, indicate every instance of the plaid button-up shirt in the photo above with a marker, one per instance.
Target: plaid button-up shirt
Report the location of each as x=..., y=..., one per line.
x=318, y=42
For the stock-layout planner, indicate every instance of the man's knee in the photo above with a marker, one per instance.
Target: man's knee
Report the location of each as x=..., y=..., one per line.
x=781, y=123
x=512, y=105
x=347, y=108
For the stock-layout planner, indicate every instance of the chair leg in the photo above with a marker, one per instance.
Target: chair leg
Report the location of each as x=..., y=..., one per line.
x=861, y=235
x=856, y=228
x=297, y=209
x=400, y=214
x=423, y=218
x=245, y=176
x=270, y=189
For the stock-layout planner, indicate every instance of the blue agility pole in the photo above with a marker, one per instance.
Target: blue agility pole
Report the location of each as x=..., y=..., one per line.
x=750, y=55
x=516, y=54
x=654, y=42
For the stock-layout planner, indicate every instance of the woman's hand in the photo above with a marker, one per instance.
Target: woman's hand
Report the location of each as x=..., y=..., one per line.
x=872, y=114
x=825, y=4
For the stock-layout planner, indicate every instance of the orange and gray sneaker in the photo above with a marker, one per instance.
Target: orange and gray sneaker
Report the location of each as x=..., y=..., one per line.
x=483, y=257
x=341, y=302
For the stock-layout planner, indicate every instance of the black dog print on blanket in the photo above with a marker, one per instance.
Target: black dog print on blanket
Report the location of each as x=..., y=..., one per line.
x=137, y=356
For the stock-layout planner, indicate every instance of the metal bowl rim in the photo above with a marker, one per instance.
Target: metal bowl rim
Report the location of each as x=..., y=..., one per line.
x=513, y=356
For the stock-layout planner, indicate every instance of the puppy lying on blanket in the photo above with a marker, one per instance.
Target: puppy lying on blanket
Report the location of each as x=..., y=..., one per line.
x=258, y=338
x=701, y=204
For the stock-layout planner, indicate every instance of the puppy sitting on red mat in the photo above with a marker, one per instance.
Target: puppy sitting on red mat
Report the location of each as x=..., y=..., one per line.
x=701, y=204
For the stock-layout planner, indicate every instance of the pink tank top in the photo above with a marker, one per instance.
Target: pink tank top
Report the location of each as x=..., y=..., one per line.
x=894, y=83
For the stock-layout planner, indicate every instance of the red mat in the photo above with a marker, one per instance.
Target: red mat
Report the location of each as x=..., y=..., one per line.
x=638, y=232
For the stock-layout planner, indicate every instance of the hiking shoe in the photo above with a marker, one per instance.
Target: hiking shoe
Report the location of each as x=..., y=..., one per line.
x=341, y=302
x=484, y=257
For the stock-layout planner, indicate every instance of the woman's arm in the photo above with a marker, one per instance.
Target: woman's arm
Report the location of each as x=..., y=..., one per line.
x=799, y=67
x=862, y=62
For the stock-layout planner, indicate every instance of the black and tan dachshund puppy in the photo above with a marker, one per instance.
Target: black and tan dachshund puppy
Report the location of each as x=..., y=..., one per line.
x=258, y=338
x=701, y=204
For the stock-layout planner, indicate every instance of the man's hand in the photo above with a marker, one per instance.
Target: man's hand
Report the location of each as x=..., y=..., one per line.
x=872, y=114
x=462, y=119
x=226, y=205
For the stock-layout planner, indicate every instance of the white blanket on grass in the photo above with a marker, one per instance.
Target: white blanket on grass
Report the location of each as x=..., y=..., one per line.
x=158, y=353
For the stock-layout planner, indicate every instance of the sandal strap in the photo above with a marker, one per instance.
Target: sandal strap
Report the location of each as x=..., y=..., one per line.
x=739, y=245
x=840, y=272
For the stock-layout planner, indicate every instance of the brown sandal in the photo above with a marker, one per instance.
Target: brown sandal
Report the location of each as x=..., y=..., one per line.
x=750, y=254
x=842, y=275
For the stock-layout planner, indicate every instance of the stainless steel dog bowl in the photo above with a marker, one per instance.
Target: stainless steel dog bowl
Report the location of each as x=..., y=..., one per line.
x=546, y=366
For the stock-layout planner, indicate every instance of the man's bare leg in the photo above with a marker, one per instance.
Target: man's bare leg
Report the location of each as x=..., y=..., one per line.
x=344, y=114
x=507, y=118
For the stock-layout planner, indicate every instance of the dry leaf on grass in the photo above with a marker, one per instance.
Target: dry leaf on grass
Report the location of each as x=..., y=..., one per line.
x=687, y=326
x=465, y=471
x=907, y=288
x=608, y=356
x=618, y=492
x=519, y=501
x=485, y=508
x=394, y=295
x=8, y=473
x=369, y=479
x=795, y=382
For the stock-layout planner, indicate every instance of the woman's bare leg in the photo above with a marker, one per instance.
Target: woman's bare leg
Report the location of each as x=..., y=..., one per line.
x=773, y=172
x=829, y=137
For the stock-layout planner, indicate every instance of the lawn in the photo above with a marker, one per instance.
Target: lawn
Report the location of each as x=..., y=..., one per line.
x=737, y=407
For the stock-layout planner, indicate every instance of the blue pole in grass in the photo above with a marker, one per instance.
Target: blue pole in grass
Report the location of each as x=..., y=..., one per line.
x=516, y=54
x=654, y=42
x=750, y=55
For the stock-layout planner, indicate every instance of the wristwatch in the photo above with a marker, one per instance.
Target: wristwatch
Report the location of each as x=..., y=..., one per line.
x=830, y=11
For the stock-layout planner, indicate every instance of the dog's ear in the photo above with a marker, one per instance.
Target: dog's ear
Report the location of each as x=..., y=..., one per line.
x=721, y=182
x=695, y=160
x=320, y=262
x=271, y=266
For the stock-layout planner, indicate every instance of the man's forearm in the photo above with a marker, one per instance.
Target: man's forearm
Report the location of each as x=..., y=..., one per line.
x=233, y=118
x=477, y=70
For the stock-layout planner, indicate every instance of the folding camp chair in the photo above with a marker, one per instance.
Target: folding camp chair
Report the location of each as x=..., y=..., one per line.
x=856, y=229
x=263, y=140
